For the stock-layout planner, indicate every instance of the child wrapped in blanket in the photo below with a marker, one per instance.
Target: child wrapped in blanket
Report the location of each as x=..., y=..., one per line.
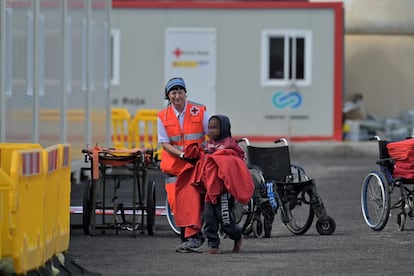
x=226, y=178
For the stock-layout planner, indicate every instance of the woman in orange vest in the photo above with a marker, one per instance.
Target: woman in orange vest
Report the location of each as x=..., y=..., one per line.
x=180, y=124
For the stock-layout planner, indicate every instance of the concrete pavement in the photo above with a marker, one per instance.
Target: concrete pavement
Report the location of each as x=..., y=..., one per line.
x=353, y=249
x=330, y=149
x=298, y=150
x=333, y=149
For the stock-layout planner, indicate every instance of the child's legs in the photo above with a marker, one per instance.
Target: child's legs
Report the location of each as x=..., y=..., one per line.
x=211, y=223
x=228, y=224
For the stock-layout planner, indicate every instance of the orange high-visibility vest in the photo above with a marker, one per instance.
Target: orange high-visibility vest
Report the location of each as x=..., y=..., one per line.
x=192, y=132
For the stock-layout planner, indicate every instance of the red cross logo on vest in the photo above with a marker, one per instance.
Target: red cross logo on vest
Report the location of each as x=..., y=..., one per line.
x=194, y=110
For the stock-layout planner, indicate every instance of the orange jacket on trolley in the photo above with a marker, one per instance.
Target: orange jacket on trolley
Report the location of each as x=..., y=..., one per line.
x=192, y=132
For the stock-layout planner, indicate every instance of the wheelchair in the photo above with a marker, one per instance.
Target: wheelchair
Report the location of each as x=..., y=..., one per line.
x=283, y=186
x=294, y=193
x=112, y=169
x=377, y=192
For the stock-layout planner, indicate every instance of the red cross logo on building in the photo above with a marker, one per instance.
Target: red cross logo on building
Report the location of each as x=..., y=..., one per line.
x=177, y=52
x=194, y=110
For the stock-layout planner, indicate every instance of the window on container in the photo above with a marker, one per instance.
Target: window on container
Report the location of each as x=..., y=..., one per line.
x=276, y=58
x=286, y=58
x=297, y=64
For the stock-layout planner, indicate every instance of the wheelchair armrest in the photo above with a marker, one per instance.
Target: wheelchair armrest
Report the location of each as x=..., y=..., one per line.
x=251, y=166
x=384, y=161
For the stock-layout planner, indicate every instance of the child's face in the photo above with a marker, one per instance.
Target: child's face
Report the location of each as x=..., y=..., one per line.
x=213, y=129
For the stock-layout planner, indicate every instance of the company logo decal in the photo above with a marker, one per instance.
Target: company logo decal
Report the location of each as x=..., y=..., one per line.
x=287, y=99
x=177, y=53
x=195, y=58
x=189, y=63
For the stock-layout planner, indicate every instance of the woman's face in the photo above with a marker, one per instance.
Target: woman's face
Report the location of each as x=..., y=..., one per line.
x=213, y=129
x=177, y=96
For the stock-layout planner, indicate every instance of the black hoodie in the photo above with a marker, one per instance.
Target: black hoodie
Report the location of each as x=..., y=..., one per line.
x=224, y=126
x=224, y=141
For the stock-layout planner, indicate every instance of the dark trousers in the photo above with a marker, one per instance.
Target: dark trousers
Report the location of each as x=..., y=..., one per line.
x=220, y=215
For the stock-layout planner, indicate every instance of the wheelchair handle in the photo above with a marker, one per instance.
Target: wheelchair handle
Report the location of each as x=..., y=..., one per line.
x=244, y=140
x=376, y=137
x=284, y=140
x=86, y=155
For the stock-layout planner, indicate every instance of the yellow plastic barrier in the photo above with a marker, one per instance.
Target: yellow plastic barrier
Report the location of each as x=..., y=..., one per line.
x=6, y=150
x=50, y=123
x=6, y=185
x=121, y=119
x=50, y=115
x=146, y=119
x=63, y=208
x=57, y=200
x=34, y=204
x=51, y=163
x=27, y=171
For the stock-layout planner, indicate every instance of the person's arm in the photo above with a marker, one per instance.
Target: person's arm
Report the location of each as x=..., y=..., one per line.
x=172, y=150
x=164, y=140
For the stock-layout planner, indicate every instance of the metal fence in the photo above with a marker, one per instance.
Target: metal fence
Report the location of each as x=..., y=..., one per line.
x=55, y=55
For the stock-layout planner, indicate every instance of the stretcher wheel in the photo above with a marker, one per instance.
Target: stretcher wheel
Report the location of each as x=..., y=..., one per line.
x=326, y=228
x=151, y=208
x=401, y=221
x=87, y=208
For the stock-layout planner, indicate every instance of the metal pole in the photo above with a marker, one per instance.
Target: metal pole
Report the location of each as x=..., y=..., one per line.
x=88, y=124
x=107, y=72
x=2, y=71
x=35, y=117
x=63, y=104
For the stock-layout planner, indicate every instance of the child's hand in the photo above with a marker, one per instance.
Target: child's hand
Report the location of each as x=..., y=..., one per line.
x=191, y=160
x=192, y=151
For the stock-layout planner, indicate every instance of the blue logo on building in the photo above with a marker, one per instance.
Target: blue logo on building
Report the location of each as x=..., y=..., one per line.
x=287, y=99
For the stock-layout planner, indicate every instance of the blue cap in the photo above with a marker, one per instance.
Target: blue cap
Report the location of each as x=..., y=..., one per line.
x=174, y=82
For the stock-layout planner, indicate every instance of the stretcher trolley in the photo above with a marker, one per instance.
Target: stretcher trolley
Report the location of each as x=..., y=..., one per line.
x=118, y=195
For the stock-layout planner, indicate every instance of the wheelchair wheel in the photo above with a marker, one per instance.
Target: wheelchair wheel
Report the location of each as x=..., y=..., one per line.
x=301, y=214
x=87, y=208
x=375, y=200
x=170, y=218
x=401, y=221
x=258, y=227
x=326, y=228
x=151, y=208
x=248, y=230
x=243, y=216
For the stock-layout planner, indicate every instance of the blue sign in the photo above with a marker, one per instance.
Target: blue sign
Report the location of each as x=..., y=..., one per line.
x=287, y=99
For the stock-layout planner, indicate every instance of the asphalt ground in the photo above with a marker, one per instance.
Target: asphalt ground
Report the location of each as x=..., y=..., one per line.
x=353, y=249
